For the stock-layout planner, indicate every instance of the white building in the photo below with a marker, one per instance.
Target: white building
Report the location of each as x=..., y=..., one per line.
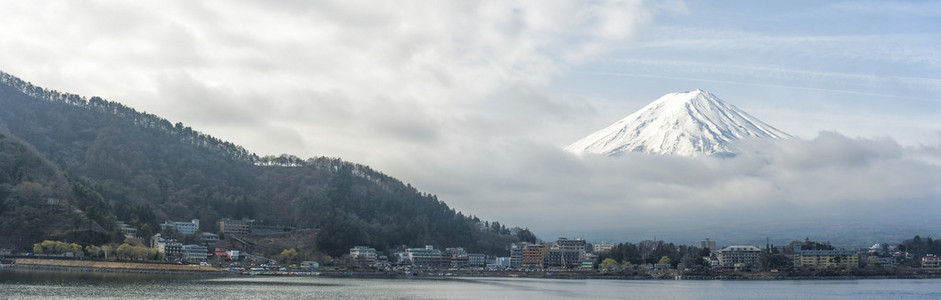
x=365, y=254
x=182, y=227
x=931, y=261
x=739, y=256
x=602, y=247
x=194, y=253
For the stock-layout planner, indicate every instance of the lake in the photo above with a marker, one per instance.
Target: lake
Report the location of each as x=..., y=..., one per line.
x=41, y=284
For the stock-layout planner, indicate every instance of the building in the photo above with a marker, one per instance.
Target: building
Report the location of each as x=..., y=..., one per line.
x=562, y=258
x=182, y=227
x=246, y=226
x=500, y=263
x=221, y=254
x=235, y=254
x=209, y=237
x=567, y=254
x=271, y=227
x=171, y=249
x=707, y=244
x=516, y=255
x=476, y=260
x=127, y=230
x=427, y=257
x=195, y=253
x=534, y=256
x=931, y=261
x=310, y=265
x=602, y=247
x=228, y=226
x=825, y=258
x=739, y=256
x=364, y=256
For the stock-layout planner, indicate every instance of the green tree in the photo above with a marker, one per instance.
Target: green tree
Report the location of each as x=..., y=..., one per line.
x=665, y=260
x=608, y=265
x=107, y=251
x=288, y=256
x=93, y=251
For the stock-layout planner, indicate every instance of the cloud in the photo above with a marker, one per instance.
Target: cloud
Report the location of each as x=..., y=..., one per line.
x=829, y=180
x=347, y=76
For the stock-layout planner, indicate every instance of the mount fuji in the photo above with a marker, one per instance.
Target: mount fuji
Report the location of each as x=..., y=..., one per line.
x=687, y=124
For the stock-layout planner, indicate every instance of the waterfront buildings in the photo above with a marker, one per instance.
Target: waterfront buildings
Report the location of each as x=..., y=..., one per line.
x=825, y=258
x=516, y=255
x=931, y=261
x=195, y=253
x=171, y=249
x=739, y=256
x=534, y=256
x=425, y=257
x=364, y=256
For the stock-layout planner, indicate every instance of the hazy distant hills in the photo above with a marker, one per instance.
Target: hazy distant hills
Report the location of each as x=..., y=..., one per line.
x=106, y=162
x=688, y=124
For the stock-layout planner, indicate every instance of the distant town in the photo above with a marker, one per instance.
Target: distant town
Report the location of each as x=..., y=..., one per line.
x=572, y=256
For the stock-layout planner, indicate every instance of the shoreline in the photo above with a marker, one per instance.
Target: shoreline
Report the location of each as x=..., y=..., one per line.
x=156, y=268
x=111, y=267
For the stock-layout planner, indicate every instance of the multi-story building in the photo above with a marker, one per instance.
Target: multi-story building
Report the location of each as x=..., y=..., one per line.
x=739, y=256
x=182, y=227
x=534, y=256
x=562, y=258
x=577, y=245
x=931, y=261
x=602, y=247
x=516, y=255
x=825, y=258
x=567, y=253
x=228, y=226
x=171, y=249
x=366, y=255
x=476, y=260
x=246, y=226
x=707, y=244
x=271, y=227
x=195, y=253
x=425, y=257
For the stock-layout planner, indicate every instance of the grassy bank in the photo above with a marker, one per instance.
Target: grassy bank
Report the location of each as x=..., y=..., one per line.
x=113, y=265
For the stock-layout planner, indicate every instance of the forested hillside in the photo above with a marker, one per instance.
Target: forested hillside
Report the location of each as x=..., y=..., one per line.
x=135, y=167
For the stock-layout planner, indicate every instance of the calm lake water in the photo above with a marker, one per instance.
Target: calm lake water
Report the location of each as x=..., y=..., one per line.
x=36, y=284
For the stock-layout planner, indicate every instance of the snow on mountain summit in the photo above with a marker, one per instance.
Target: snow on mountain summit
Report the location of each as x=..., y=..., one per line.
x=688, y=124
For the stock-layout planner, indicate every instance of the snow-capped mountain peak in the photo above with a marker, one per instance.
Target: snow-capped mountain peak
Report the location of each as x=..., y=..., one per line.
x=687, y=123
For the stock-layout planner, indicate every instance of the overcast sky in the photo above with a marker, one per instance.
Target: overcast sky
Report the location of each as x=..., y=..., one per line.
x=472, y=100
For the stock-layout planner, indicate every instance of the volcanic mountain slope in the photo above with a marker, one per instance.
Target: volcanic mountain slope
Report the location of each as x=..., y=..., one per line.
x=99, y=161
x=688, y=124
